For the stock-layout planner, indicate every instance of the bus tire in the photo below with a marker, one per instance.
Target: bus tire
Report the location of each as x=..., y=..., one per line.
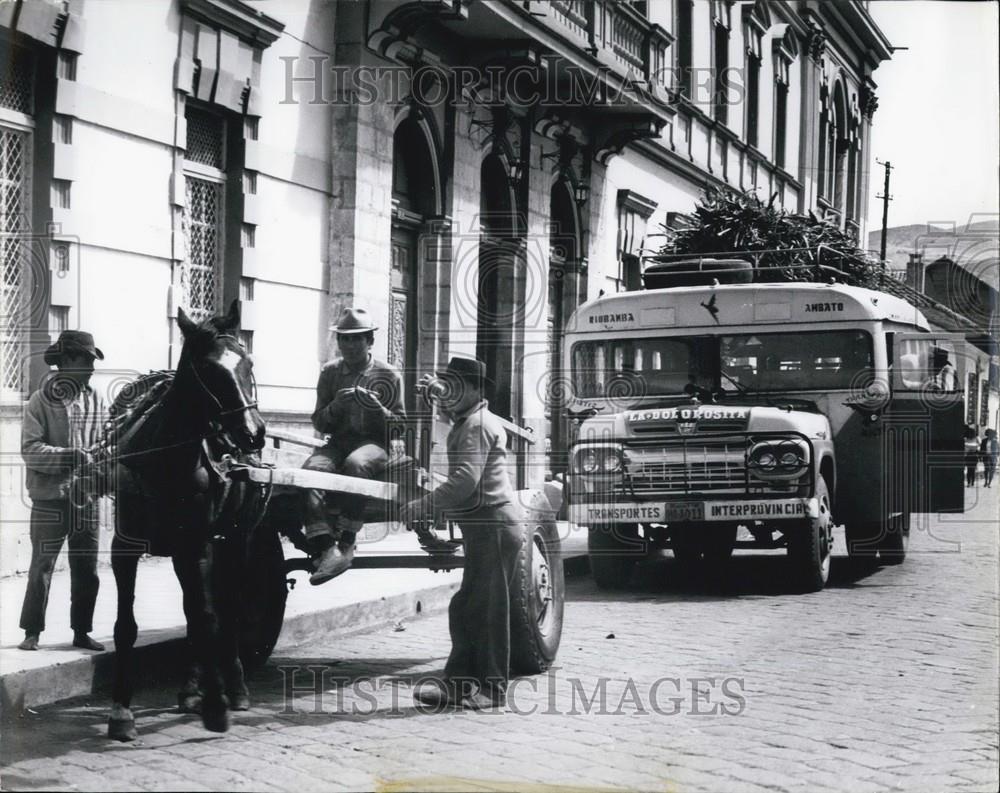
x=612, y=555
x=810, y=546
x=537, y=596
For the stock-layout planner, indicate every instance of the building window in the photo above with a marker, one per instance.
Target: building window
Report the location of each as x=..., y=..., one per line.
x=721, y=59
x=15, y=224
x=17, y=79
x=634, y=211
x=17, y=70
x=684, y=57
x=204, y=218
x=753, y=35
x=782, y=72
x=753, y=98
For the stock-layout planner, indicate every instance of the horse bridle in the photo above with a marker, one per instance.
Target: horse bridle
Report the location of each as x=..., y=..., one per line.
x=222, y=412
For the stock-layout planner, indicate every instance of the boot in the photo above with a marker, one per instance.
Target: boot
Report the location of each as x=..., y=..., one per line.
x=334, y=560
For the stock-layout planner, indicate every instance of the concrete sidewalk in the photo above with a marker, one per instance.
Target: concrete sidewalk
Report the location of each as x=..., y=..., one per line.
x=356, y=601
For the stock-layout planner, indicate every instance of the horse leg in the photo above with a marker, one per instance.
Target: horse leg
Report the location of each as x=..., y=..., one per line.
x=121, y=723
x=227, y=581
x=189, y=697
x=194, y=573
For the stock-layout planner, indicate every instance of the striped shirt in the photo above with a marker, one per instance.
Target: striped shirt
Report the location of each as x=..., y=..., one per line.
x=85, y=419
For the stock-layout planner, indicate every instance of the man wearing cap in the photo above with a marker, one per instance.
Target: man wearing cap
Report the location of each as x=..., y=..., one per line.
x=479, y=496
x=358, y=399
x=62, y=421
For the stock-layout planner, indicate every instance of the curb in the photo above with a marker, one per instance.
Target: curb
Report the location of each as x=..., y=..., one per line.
x=160, y=655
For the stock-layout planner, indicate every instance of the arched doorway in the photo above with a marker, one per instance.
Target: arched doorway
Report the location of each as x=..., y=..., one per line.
x=495, y=309
x=564, y=253
x=414, y=200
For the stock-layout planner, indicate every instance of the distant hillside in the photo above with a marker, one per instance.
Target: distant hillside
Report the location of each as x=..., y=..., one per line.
x=975, y=241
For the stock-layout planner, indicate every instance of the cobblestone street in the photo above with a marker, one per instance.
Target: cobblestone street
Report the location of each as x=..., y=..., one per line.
x=887, y=680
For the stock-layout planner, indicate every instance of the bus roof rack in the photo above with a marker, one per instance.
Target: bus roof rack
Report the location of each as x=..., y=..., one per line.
x=810, y=269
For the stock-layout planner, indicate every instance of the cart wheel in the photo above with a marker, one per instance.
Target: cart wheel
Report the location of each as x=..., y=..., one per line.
x=536, y=600
x=262, y=607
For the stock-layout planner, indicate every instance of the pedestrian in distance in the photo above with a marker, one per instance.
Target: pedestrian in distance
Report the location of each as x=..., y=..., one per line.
x=358, y=401
x=989, y=450
x=62, y=421
x=478, y=496
x=972, y=455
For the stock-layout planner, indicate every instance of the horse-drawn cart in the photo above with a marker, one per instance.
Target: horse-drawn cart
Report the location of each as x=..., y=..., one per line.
x=536, y=595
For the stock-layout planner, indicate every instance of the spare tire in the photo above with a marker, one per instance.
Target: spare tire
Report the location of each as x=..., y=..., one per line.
x=697, y=272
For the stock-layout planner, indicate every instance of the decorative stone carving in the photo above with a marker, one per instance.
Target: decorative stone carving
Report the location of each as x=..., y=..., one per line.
x=868, y=101
x=815, y=41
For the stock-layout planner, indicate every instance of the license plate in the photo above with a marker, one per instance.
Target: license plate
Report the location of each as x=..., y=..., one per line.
x=684, y=511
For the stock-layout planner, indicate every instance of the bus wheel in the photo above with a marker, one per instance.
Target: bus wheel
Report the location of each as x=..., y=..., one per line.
x=809, y=545
x=613, y=551
x=537, y=596
x=895, y=540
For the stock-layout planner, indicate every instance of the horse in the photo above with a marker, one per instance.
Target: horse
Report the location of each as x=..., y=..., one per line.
x=168, y=450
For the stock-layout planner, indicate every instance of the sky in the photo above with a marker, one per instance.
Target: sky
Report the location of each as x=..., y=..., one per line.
x=938, y=117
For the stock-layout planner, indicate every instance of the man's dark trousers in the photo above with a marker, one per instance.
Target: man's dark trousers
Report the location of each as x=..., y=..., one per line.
x=479, y=613
x=51, y=523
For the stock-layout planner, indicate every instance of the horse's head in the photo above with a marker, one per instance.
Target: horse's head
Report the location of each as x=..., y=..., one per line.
x=219, y=375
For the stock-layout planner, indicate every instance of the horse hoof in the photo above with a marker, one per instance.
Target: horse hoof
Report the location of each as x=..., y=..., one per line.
x=189, y=703
x=122, y=729
x=215, y=719
x=239, y=702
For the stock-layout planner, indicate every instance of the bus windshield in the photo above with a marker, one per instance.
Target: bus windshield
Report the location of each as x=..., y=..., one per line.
x=759, y=362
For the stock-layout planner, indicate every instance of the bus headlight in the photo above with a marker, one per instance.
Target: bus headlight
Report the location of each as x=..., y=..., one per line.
x=778, y=460
x=595, y=460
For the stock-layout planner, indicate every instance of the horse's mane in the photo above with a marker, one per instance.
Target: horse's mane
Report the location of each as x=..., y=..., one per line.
x=141, y=393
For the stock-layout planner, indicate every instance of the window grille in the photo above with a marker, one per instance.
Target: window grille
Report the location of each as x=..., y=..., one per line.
x=203, y=235
x=205, y=138
x=984, y=403
x=15, y=170
x=17, y=71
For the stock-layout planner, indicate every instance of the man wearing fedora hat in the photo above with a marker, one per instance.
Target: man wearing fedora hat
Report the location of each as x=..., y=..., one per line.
x=62, y=420
x=479, y=496
x=358, y=400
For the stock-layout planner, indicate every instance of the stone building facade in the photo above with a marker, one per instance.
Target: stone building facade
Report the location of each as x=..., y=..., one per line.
x=468, y=171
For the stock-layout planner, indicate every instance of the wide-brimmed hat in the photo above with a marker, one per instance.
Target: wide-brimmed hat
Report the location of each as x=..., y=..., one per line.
x=354, y=320
x=471, y=370
x=72, y=342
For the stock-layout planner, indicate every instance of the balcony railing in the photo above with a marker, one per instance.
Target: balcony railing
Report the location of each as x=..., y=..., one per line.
x=615, y=33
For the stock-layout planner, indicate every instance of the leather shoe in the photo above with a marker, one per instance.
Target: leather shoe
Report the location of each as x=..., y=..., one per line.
x=334, y=561
x=480, y=701
x=436, y=695
x=30, y=642
x=84, y=642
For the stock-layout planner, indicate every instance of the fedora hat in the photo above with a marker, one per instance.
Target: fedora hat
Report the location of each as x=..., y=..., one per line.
x=72, y=342
x=471, y=370
x=354, y=320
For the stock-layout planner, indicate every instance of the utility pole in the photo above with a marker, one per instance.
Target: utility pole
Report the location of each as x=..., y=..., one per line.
x=886, y=198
